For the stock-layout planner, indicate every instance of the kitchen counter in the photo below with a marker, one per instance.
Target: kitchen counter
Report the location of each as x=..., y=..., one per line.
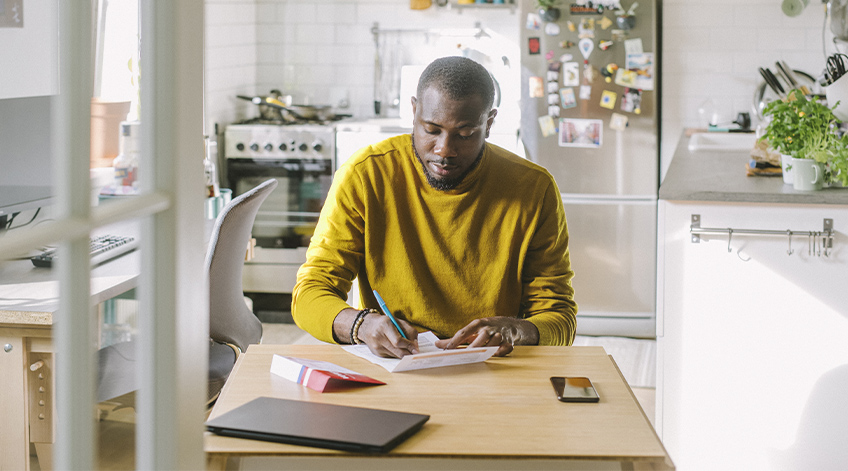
x=720, y=177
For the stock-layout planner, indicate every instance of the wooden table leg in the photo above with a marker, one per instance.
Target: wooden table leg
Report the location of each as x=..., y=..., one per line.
x=14, y=440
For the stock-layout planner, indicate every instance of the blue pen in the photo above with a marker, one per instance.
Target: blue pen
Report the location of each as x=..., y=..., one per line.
x=389, y=313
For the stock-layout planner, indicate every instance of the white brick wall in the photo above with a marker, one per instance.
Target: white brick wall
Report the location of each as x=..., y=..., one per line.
x=712, y=49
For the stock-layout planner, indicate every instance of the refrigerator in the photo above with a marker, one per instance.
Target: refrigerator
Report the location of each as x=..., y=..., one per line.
x=589, y=91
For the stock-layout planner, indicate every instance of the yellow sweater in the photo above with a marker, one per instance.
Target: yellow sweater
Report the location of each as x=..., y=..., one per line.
x=497, y=245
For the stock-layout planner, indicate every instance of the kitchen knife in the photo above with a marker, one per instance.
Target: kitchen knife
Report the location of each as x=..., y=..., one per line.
x=770, y=82
x=776, y=81
x=794, y=80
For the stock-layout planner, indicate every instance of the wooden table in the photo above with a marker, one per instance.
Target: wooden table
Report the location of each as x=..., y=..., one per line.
x=501, y=414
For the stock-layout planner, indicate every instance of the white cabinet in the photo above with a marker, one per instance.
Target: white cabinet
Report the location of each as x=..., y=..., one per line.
x=29, y=55
x=752, y=343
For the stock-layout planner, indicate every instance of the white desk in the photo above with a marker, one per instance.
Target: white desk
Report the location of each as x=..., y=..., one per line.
x=28, y=306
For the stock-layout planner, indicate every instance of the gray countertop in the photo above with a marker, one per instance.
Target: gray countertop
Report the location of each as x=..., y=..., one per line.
x=720, y=176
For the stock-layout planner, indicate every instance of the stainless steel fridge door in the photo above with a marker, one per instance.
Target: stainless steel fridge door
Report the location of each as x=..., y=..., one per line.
x=626, y=163
x=613, y=254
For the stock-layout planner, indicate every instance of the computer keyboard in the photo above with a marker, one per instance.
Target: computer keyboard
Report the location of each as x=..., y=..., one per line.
x=103, y=248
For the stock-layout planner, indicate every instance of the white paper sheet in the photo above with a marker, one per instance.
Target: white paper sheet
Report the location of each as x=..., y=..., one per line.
x=430, y=356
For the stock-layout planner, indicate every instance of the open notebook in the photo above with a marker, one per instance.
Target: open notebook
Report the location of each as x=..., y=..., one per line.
x=315, y=424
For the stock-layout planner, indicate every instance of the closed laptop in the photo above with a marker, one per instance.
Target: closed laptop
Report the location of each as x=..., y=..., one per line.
x=346, y=428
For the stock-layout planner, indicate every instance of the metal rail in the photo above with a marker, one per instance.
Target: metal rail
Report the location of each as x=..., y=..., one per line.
x=818, y=242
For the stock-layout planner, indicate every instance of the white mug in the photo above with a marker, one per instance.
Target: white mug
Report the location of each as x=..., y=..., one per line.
x=809, y=174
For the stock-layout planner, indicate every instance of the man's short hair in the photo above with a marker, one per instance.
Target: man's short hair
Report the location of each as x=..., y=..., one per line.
x=460, y=78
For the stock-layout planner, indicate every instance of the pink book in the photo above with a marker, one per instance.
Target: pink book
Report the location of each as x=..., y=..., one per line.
x=318, y=375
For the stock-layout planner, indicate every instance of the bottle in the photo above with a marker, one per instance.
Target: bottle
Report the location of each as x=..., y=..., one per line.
x=210, y=169
x=126, y=163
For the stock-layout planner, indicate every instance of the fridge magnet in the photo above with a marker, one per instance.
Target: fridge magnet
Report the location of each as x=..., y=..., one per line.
x=534, y=21
x=586, y=29
x=586, y=45
x=633, y=46
x=567, y=98
x=566, y=44
x=566, y=58
x=553, y=87
x=570, y=74
x=609, y=72
x=553, y=111
x=631, y=101
x=549, y=55
x=555, y=67
x=604, y=45
x=580, y=133
x=552, y=76
x=553, y=98
x=552, y=29
x=619, y=35
x=585, y=92
x=643, y=65
x=605, y=23
x=547, y=125
x=587, y=8
x=618, y=122
x=626, y=19
x=571, y=26
x=608, y=99
x=625, y=78
x=588, y=72
x=536, y=90
x=533, y=46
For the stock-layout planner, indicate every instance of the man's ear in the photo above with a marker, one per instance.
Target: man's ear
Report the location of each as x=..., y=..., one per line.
x=414, y=104
x=490, y=120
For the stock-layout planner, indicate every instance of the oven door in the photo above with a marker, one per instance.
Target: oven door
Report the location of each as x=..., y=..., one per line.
x=288, y=216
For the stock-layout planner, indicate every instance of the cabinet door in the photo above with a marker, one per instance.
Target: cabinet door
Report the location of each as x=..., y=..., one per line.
x=29, y=54
x=753, y=357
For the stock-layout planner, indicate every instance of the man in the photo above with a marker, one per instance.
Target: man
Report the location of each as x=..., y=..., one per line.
x=458, y=236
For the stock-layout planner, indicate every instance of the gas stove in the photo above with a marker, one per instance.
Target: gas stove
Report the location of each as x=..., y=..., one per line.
x=261, y=139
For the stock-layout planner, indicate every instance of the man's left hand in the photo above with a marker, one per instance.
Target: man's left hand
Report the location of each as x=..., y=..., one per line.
x=503, y=332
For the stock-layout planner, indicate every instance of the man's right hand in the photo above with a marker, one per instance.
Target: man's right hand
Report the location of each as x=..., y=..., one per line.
x=378, y=332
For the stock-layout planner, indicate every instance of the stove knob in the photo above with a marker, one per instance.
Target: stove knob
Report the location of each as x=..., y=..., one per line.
x=283, y=147
x=303, y=147
x=254, y=147
x=240, y=146
x=292, y=146
x=269, y=147
x=317, y=146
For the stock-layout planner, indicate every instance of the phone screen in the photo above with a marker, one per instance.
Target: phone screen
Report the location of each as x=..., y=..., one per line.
x=574, y=389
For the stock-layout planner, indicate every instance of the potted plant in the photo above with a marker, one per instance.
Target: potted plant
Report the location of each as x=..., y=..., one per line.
x=807, y=131
x=548, y=9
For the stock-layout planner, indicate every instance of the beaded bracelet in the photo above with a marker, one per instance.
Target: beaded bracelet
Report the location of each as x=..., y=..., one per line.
x=354, y=328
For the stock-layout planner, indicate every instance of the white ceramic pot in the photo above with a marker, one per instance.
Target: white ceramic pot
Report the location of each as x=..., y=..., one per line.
x=786, y=164
x=809, y=174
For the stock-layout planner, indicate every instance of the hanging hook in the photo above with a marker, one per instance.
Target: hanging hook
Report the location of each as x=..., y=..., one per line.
x=790, y=251
x=809, y=243
x=827, y=242
x=729, y=236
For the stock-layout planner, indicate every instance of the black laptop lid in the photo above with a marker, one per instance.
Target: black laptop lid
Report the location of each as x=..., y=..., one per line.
x=306, y=423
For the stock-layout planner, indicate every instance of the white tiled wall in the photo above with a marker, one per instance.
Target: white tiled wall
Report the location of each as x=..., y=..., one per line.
x=321, y=51
x=712, y=49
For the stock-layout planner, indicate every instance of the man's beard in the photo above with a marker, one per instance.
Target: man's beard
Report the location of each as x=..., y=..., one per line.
x=445, y=184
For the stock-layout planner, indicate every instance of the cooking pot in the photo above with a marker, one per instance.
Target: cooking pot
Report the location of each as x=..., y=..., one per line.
x=279, y=108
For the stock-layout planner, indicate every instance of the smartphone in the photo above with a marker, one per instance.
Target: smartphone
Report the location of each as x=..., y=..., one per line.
x=574, y=389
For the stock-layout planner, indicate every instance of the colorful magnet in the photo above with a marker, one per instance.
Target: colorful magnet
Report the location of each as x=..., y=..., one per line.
x=631, y=101
x=588, y=72
x=571, y=26
x=618, y=122
x=625, y=78
x=547, y=126
x=586, y=29
x=605, y=23
x=534, y=21
x=566, y=44
x=643, y=65
x=533, y=45
x=581, y=132
x=567, y=98
x=536, y=87
x=587, y=9
x=553, y=98
x=604, y=45
x=553, y=111
x=619, y=35
x=625, y=21
x=555, y=66
x=609, y=72
x=585, y=92
x=586, y=45
x=552, y=87
x=565, y=58
x=549, y=55
x=570, y=74
x=608, y=99
x=552, y=29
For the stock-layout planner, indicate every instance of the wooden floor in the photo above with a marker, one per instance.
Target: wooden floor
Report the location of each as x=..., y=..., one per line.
x=117, y=427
